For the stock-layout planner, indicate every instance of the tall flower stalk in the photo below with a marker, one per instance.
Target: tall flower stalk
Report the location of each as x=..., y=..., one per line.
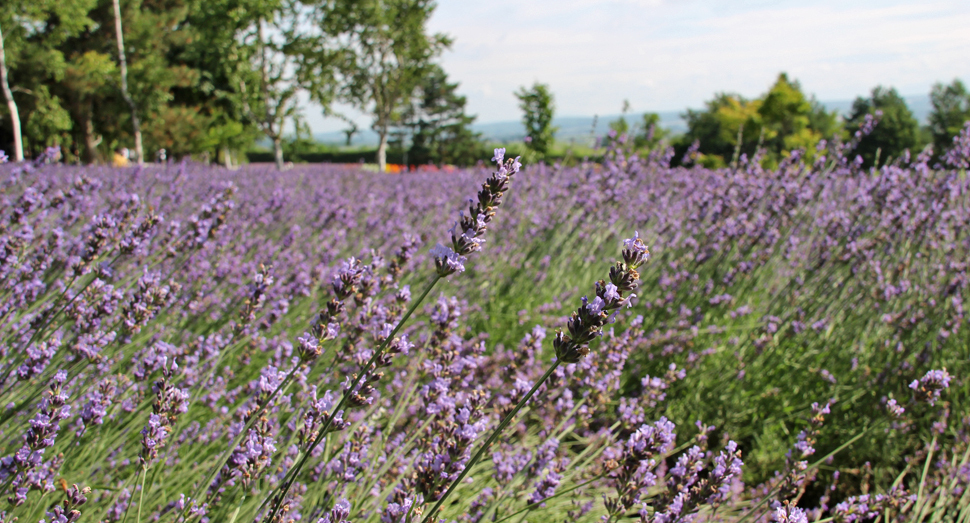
x=583, y=327
x=467, y=237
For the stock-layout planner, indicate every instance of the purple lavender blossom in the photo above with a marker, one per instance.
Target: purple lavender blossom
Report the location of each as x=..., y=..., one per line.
x=152, y=436
x=894, y=409
x=959, y=155
x=472, y=227
x=447, y=260
x=26, y=468
x=790, y=514
x=929, y=387
x=338, y=514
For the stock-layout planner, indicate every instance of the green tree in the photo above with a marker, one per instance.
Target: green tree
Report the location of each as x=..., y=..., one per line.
x=282, y=49
x=441, y=132
x=650, y=134
x=788, y=116
x=538, y=108
x=620, y=126
x=34, y=32
x=386, y=51
x=780, y=120
x=142, y=95
x=87, y=84
x=951, y=110
x=718, y=128
x=896, y=131
x=18, y=148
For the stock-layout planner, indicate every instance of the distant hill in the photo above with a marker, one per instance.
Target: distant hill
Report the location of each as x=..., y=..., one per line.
x=579, y=128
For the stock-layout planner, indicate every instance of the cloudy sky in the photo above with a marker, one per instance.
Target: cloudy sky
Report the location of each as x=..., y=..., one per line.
x=666, y=55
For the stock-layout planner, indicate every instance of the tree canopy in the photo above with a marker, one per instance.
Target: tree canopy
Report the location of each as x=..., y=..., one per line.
x=439, y=127
x=385, y=54
x=951, y=109
x=780, y=120
x=538, y=108
x=896, y=132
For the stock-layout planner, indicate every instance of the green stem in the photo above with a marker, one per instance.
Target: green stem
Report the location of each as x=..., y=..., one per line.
x=141, y=495
x=235, y=513
x=491, y=439
x=532, y=506
x=235, y=443
x=921, y=502
x=291, y=475
x=810, y=467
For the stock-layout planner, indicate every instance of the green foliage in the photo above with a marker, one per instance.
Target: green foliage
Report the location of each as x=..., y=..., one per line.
x=48, y=122
x=538, y=108
x=33, y=33
x=204, y=75
x=650, y=133
x=896, y=132
x=386, y=52
x=951, y=109
x=726, y=117
x=441, y=132
x=781, y=120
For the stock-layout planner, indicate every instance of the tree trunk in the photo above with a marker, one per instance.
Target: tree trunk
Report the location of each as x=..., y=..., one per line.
x=135, y=123
x=278, y=152
x=90, y=143
x=226, y=157
x=18, y=145
x=382, y=152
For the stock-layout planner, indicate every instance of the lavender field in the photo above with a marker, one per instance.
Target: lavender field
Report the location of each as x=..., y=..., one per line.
x=623, y=341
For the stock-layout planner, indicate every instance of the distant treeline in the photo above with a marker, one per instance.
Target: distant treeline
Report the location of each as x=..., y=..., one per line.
x=211, y=78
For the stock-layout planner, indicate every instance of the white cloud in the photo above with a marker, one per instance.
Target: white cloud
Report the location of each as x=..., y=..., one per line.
x=670, y=55
x=673, y=54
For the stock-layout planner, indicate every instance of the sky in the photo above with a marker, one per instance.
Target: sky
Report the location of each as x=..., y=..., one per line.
x=668, y=55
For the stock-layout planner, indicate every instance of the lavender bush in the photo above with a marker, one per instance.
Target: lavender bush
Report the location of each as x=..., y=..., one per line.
x=186, y=343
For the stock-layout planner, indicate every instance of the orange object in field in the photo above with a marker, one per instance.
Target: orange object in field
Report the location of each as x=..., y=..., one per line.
x=119, y=160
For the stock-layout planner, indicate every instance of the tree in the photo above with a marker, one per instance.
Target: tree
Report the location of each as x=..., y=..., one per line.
x=86, y=82
x=123, y=69
x=650, y=133
x=538, y=108
x=350, y=132
x=440, y=129
x=951, y=109
x=729, y=123
x=896, y=131
x=621, y=126
x=780, y=120
x=18, y=147
x=33, y=33
x=282, y=49
x=386, y=52
x=787, y=118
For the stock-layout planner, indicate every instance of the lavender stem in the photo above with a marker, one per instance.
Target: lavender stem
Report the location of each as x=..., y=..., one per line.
x=291, y=475
x=491, y=439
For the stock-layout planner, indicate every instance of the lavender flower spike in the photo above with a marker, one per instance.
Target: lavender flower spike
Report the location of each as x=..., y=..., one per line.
x=447, y=261
x=790, y=514
x=635, y=252
x=928, y=387
x=588, y=320
x=467, y=234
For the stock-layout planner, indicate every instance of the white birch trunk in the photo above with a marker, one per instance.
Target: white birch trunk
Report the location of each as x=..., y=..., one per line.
x=382, y=152
x=278, y=152
x=18, y=145
x=135, y=123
